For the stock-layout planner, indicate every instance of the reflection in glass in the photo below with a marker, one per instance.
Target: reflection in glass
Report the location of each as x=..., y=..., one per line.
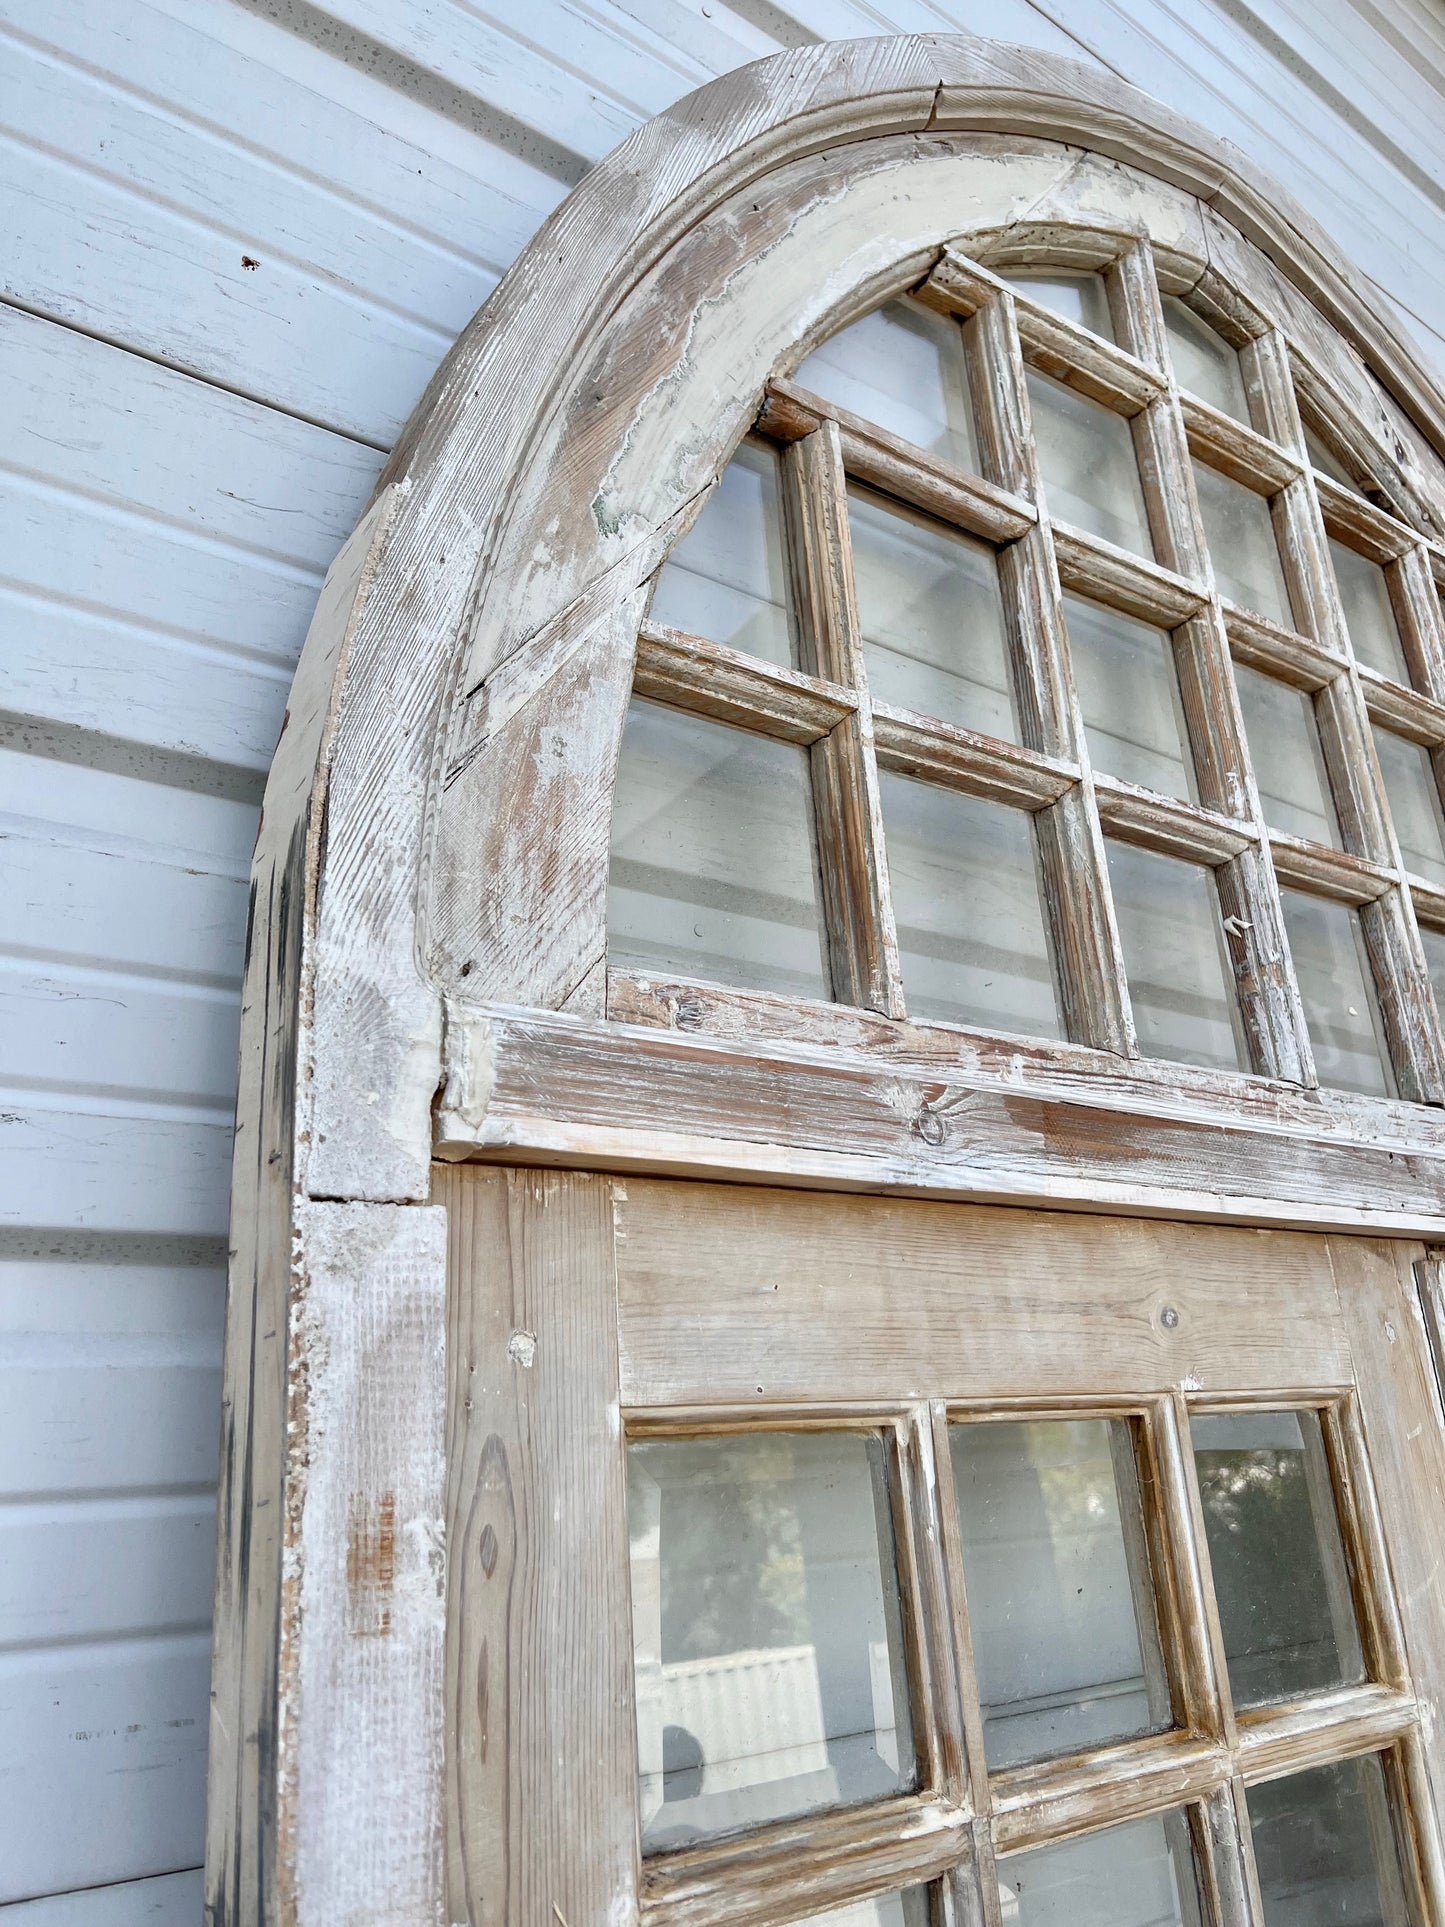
x=1081, y=298
x=1333, y=971
x=1139, y=1875
x=1327, y=462
x=1284, y=741
x=1090, y=474
x=931, y=617
x=908, y=1909
x=713, y=872
x=1180, y=981
x=1065, y=1640
x=1204, y=362
x=1365, y=598
x=1129, y=694
x=901, y=367
x=1240, y=533
x=1414, y=804
x=1325, y=1848
x=766, y=1630
x=1434, y=942
x=727, y=579
x=966, y=901
x=1280, y=1578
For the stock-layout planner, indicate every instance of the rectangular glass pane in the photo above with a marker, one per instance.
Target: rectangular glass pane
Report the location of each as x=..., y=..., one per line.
x=1325, y=1848
x=1180, y=981
x=1204, y=362
x=901, y=367
x=713, y=873
x=908, y=1909
x=1139, y=1875
x=1065, y=1639
x=1327, y=462
x=1289, y=765
x=1090, y=472
x=1365, y=598
x=1434, y=942
x=966, y=900
x=727, y=579
x=766, y=1630
x=1279, y=1563
x=1333, y=972
x=1240, y=532
x=1414, y=804
x=931, y=616
x=1129, y=694
x=1080, y=298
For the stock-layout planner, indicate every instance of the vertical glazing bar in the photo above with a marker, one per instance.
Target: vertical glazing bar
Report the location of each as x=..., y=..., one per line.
x=1192, y=1633
x=938, y=1710
x=1226, y=1858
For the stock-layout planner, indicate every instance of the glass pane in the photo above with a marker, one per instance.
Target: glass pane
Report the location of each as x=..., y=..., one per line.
x=727, y=579
x=1414, y=804
x=1284, y=740
x=966, y=900
x=908, y=1909
x=1434, y=942
x=931, y=615
x=1365, y=597
x=1086, y=453
x=766, y=1629
x=713, y=872
x=902, y=367
x=1326, y=462
x=1325, y=1848
x=1204, y=362
x=1065, y=1641
x=1180, y=981
x=1077, y=297
x=1333, y=970
x=1279, y=1563
x=1138, y=1875
x=1129, y=693
x=1240, y=533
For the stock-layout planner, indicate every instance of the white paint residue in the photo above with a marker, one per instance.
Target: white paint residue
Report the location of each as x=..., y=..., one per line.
x=522, y=1349
x=1191, y=1384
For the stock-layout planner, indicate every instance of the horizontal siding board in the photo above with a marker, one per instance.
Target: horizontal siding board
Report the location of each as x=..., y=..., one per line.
x=104, y=809
x=167, y=1900
x=106, y=1567
x=68, y=1169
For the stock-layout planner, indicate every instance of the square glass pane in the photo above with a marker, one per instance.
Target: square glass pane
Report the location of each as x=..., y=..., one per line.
x=766, y=1630
x=1325, y=1849
x=1141, y=1874
x=1060, y=1602
x=1129, y=693
x=966, y=901
x=727, y=579
x=1240, y=532
x=1365, y=599
x=908, y=1909
x=1091, y=475
x=931, y=616
x=901, y=367
x=1414, y=804
x=1081, y=298
x=1204, y=362
x=1333, y=971
x=1180, y=981
x=713, y=872
x=1284, y=742
x=1280, y=1578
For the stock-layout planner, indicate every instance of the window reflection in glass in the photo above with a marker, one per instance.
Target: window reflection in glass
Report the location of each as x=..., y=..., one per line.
x=1240, y=532
x=1365, y=598
x=1414, y=804
x=971, y=939
x=1181, y=985
x=908, y=1909
x=766, y=1628
x=1091, y=476
x=1324, y=1846
x=901, y=367
x=1280, y=1578
x=713, y=872
x=931, y=616
x=1141, y=1874
x=1333, y=972
x=1081, y=298
x=1065, y=1637
x=1129, y=695
x=727, y=579
x=1289, y=765
x=1204, y=362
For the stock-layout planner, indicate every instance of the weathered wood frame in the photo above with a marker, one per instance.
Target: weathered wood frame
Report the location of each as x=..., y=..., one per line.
x=429, y=884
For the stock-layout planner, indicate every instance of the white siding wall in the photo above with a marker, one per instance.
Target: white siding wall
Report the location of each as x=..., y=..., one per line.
x=187, y=441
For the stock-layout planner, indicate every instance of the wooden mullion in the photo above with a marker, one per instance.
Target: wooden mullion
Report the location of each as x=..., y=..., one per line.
x=1269, y=999
x=1392, y=939
x=1412, y=1805
x=1420, y=619
x=1169, y=825
x=950, y=1537
x=1033, y=1805
x=1088, y=957
x=689, y=672
x=1322, y=871
x=857, y=901
x=1280, y=653
x=938, y=1718
x=1111, y=575
x=1237, y=451
x=1226, y=1856
x=1176, y=1524
x=1331, y=1726
x=961, y=759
